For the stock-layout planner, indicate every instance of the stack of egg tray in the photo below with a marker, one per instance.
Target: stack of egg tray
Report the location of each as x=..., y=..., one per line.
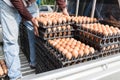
x=4, y=77
x=45, y=34
x=98, y=41
x=24, y=41
x=48, y=58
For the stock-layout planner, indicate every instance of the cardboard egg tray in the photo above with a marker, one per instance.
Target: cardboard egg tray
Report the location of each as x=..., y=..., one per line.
x=55, y=58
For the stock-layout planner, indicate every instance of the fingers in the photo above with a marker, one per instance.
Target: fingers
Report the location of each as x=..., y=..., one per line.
x=36, y=31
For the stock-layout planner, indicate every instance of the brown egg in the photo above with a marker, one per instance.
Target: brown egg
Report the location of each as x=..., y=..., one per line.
x=64, y=52
x=54, y=21
x=61, y=49
x=72, y=46
x=64, y=27
x=67, y=47
x=59, y=20
x=64, y=20
x=57, y=46
x=81, y=53
x=91, y=50
x=82, y=45
x=112, y=46
x=70, y=49
x=75, y=53
x=49, y=22
x=94, y=20
x=59, y=28
x=76, y=48
x=86, y=51
x=68, y=27
x=105, y=33
x=54, y=29
x=69, y=55
x=87, y=46
x=44, y=22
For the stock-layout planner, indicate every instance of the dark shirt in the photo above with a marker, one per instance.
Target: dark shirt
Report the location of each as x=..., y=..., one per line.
x=18, y=4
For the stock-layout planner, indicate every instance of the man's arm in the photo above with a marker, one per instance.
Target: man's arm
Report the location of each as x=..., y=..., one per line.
x=18, y=4
x=62, y=5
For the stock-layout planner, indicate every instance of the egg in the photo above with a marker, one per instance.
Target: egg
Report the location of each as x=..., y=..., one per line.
x=81, y=53
x=64, y=27
x=68, y=27
x=44, y=23
x=49, y=30
x=69, y=55
x=59, y=20
x=86, y=51
x=91, y=50
x=61, y=49
x=54, y=29
x=70, y=49
x=74, y=53
x=49, y=22
x=54, y=21
x=64, y=52
x=59, y=28
x=76, y=48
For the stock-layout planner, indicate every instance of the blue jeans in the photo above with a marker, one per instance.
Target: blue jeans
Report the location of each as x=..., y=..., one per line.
x=10, y=20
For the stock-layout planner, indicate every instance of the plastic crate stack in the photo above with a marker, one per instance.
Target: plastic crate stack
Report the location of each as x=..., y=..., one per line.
x=102, y=37
x=24, y=41
x=3, y=71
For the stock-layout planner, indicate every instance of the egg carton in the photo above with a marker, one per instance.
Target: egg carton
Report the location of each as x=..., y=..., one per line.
x=62, y=34
x=99, y=40
x=96, y=45
x=53, y=25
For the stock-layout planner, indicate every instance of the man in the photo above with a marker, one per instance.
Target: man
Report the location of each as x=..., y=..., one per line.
x=11, y=13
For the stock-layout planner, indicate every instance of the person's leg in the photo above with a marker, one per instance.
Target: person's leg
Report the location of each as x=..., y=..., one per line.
x=10, y=21
x=33, y=9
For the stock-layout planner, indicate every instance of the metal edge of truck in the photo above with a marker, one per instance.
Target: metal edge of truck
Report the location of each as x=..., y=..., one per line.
x=92, y=70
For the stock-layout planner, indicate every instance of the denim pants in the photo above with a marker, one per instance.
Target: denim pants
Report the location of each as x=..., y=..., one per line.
x=10, y=20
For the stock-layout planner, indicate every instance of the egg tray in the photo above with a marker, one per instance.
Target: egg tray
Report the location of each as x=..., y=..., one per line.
x=97, y=46
x=5, y=77
x=98, y=40
x=24, y=43
x=43, y=64
x=96, y=34
x=111, y=23
x=53, y=25
x=61, y=34
x=45, y=30
x=79, y=24
x=61, y=61
x=51, y=56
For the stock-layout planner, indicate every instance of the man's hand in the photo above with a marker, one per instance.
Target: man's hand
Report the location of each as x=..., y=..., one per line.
x=65, y=12
x=35, y=25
